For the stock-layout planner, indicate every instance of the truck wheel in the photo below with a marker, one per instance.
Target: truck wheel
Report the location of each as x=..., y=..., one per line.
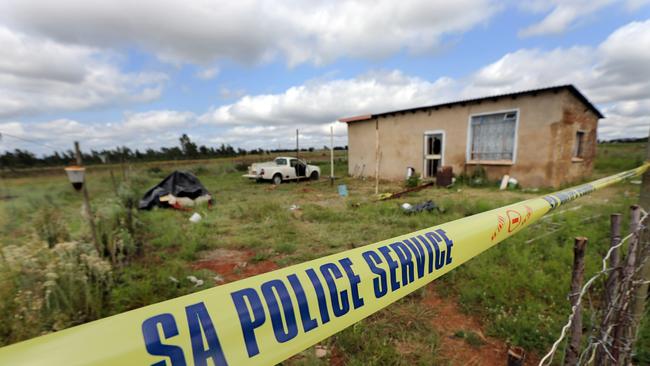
x=277, y=179
x=314, y=176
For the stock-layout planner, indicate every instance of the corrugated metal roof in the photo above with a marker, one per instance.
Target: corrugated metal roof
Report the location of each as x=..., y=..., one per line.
x=572, y=89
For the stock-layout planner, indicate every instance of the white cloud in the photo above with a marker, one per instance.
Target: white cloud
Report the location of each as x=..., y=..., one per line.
x=563, y=14
x=208, y=73
x=251, y=31
x=38, y=75
x=157, y=120
x=137, y=130
x=324, y=101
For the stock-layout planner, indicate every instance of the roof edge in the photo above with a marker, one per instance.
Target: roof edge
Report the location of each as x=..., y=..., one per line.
x=356, y=118
x=570, y=87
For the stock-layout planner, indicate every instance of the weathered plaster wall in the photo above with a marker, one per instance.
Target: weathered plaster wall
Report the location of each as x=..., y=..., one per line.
x=543, y=124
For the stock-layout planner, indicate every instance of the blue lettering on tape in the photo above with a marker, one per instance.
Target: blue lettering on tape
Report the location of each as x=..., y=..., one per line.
x=273, y=291
x=201, y=328
x=153, y=343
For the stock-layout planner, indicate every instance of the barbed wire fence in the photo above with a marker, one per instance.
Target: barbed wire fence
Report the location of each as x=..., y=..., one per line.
x=613, y=325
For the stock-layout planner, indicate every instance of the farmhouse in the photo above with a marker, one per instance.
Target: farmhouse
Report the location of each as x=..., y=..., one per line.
x=541, y=137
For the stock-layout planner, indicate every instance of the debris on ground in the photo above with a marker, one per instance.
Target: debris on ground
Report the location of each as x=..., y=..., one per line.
x=508, y=182
x=196, y=281
x=218, y=279
x=445, y=177
x=294, y=207
x=355, y=204
x=196, y=217
x=512, y=183
x=387, y=196
x=428, y=206
x=173, y=279
x=343, y=190
x=178, y=190
x=504, y=182
x=320, y=351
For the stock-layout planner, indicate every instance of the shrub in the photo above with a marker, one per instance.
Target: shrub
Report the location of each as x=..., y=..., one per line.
x=154, y=170
x=45, y=290
x=200, y=170
x=413, y=180
x=241, y=166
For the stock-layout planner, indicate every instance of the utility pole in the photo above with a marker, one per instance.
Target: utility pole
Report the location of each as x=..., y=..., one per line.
x=331, y=155
x=89, y=212
x=377, y=156
x=297, y=144
x=643, y=250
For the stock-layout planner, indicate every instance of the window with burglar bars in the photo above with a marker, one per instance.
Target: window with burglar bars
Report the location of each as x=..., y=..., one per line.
x=492, y=136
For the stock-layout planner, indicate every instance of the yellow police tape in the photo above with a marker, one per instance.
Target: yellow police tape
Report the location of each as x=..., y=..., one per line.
x=266, y=319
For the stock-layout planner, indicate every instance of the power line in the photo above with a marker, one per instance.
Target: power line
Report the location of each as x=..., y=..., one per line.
x=32, y=141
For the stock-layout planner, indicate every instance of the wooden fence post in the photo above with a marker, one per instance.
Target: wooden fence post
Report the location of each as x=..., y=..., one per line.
x=611, y=288
x=573, y=350
x=621, y=342
x=643, y=276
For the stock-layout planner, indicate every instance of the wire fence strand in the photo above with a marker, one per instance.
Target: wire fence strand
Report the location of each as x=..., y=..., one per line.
x=548, y=358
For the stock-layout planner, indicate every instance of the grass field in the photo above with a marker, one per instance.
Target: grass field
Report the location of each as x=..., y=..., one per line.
x=517, y=290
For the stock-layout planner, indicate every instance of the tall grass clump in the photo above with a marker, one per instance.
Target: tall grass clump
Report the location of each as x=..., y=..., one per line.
x=49, y=222
x=117, y=223
x=45, y=290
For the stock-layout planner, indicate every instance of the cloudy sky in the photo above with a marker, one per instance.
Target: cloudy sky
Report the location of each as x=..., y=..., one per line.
x=249, y=72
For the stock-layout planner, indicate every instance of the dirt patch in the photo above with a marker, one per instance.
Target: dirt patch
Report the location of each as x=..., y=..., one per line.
x=232, y=265
x=457, y=350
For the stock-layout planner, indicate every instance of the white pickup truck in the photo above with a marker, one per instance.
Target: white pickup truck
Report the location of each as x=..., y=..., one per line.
x=281, y=169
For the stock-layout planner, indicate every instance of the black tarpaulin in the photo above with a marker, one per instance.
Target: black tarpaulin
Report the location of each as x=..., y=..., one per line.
x=178, y=189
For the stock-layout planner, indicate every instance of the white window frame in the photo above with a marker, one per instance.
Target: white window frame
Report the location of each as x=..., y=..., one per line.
x=468, y=148
x=424, y=149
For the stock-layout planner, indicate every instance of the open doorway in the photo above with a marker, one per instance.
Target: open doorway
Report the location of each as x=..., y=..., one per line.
x=433, y=152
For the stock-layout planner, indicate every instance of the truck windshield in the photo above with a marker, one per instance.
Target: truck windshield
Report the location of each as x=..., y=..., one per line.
x=280, y=161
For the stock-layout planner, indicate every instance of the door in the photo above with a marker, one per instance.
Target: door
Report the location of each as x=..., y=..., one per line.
x=300, y=169
x=433, y=152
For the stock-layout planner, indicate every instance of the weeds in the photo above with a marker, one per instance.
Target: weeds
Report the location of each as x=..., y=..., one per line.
x=413, y=180
x=49, y=223
x=116, y=224
x=470, y=337
x=394, y=336
x=45, y=290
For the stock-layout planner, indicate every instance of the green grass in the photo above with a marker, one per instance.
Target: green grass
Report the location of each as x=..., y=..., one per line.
x=517, y=289
x=618, y=157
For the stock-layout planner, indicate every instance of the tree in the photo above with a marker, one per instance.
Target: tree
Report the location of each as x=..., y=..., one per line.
x=188, y=147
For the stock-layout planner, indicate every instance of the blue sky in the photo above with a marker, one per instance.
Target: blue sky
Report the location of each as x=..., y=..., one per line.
x=249, y=73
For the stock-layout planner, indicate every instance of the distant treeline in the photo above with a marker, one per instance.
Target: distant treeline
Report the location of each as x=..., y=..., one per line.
x=624, y=140
x=186, y=150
